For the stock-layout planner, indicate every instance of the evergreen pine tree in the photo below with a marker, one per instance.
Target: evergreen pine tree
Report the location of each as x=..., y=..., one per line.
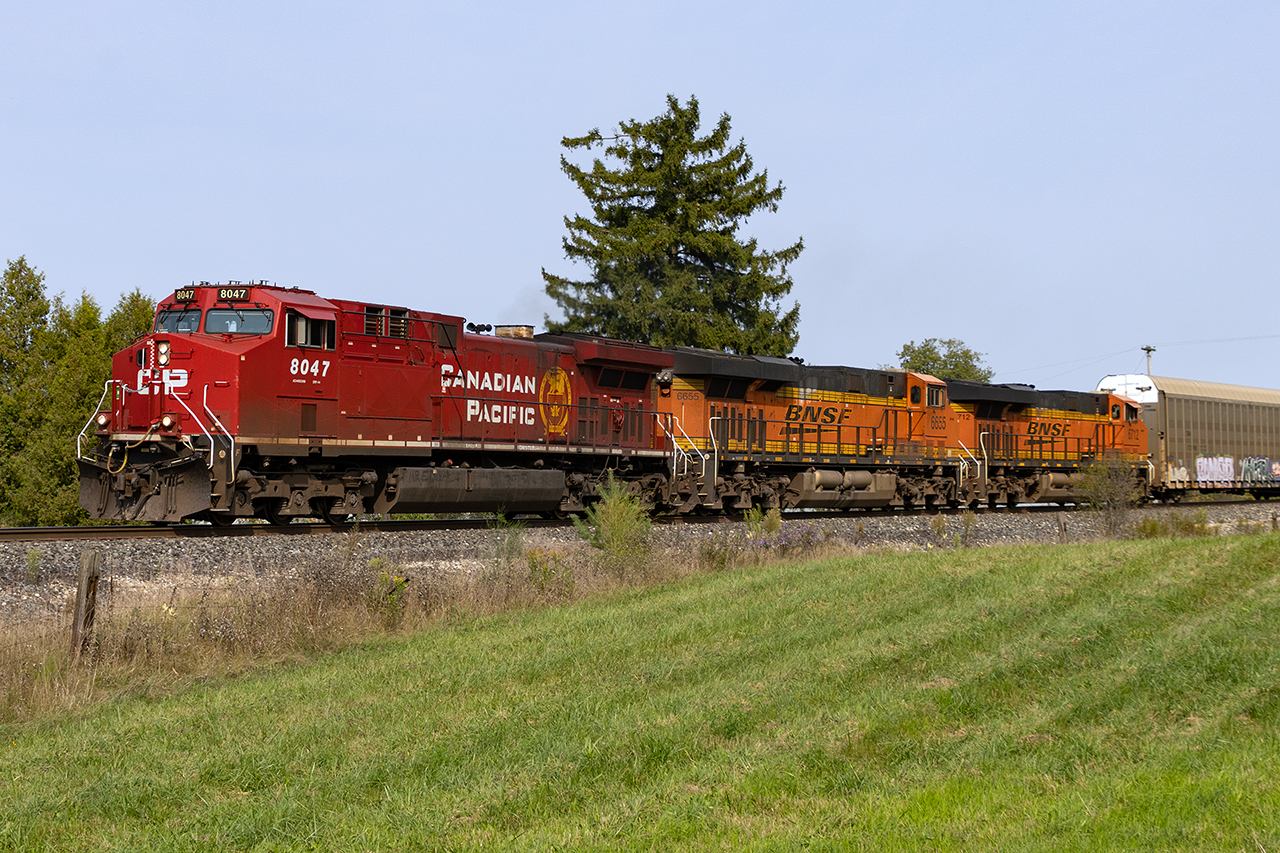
x=54, y=360
x=667, y=263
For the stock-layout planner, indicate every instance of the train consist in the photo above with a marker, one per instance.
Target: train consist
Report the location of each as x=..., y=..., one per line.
x=1205, y=436
x=249, y=400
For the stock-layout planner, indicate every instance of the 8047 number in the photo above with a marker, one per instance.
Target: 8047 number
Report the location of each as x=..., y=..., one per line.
x=303, y=367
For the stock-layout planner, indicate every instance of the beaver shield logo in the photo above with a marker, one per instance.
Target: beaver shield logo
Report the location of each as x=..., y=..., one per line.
x=553, y=400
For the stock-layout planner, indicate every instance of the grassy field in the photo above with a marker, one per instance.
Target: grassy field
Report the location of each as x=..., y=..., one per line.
x=1112, y=696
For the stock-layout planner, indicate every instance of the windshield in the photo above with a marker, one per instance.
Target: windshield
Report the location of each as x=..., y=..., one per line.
x=181, y=320
x=232, y=321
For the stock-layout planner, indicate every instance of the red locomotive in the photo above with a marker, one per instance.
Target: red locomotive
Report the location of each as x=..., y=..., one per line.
x=249, y=400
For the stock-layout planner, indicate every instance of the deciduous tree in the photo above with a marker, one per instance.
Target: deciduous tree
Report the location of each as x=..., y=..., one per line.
x=945, y=359
x=662, y=245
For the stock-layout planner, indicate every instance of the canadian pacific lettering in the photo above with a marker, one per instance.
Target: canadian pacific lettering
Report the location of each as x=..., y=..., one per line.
x=500, y=413
x=478, y=380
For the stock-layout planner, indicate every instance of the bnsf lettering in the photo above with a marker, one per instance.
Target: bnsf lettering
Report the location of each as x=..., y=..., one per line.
x=816, y=414
x=1047, y=430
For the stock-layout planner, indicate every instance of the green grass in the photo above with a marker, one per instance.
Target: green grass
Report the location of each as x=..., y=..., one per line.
x=1114, y=696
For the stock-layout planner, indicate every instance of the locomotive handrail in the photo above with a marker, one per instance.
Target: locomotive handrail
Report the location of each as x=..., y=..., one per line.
x=199, y=424
x=675, y=443
x=225, y=432
x=106, y=388
x=964, y=466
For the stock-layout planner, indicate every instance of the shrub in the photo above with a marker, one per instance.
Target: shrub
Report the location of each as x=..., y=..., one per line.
x=1111, y=491
x=616, y=524
x=761, y=522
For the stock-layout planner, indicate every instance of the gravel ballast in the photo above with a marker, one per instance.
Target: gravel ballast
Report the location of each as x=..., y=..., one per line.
x=169, y=562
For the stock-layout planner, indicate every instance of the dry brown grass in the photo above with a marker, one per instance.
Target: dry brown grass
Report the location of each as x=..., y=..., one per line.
x=158, y=637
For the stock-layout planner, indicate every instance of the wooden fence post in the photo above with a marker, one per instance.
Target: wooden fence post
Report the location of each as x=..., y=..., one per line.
x=86, y=602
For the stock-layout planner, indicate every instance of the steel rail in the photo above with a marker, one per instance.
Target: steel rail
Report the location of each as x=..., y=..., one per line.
x=107, y=532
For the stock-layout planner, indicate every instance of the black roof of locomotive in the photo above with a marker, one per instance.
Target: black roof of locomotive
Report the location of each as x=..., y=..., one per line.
x=705, y=362
x=964, y=391
x=1025, y=396
x=775, y=372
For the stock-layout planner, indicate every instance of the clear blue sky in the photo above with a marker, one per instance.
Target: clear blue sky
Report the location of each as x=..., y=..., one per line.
x=1057, y=184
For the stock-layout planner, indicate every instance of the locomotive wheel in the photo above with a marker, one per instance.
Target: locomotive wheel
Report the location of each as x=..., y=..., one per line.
x=272, y=511
x=333, y=512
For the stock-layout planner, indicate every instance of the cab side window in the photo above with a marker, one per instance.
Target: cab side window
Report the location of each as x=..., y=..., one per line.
x=301, y=331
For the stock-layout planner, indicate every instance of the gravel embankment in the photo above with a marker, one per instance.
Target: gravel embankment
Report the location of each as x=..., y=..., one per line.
x=142, y=564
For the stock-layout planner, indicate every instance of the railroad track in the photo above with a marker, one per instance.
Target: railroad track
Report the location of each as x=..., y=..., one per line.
x=209, y=531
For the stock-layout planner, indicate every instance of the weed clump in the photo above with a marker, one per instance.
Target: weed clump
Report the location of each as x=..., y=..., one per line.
x=938, y=530
x=968, y=526
x=33, y=566
x=756, y=548
x=1174, y=525
x=387, y=599
x=550, y=574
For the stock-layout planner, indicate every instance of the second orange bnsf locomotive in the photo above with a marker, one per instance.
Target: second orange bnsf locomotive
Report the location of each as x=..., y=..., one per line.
x=249, y=400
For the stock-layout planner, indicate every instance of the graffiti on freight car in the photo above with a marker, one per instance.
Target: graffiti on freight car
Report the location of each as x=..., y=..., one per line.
x=1258, y=471
x=1215, y=468
x=1179, y=473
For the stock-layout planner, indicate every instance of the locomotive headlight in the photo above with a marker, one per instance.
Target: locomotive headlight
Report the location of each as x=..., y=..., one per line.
x=103, y=420
x=166, y=422
x=162, y=353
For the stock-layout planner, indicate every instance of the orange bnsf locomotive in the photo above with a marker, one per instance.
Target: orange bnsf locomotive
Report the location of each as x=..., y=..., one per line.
x=254, y=401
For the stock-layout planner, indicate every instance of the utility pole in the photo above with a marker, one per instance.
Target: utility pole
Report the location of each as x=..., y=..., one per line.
x=1148, y=351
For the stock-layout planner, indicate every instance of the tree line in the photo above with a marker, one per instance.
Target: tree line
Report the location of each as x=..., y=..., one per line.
x=55, y=356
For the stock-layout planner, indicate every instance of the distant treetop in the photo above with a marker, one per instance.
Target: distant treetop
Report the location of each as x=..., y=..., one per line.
x=945, y=359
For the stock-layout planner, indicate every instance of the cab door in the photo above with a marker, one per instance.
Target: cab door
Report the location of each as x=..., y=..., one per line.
x=308, y=405
x=935, y=418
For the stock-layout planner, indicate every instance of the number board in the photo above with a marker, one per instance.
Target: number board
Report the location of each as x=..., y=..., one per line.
x=187, y=294
x=233, y=294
